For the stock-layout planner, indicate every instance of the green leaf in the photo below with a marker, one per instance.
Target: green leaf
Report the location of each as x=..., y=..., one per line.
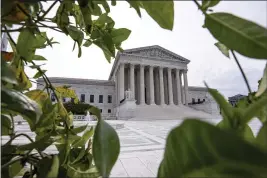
x=75, y=34
x=113, y=2
x=66, y=92
x=95, y=111
x=107, y=46
x=80, y=156
x=15, y=168
x=6, y=7
x=263, y=83
x=103, y=19
x=39, y=58
x=104, y=4
x=106, y=147
x=81, y=170
x=261, y=138
x=209, y=3
x=25, y=44
x=86, y=136
x=48, y=117
x=254, y=109
x=86, y=16
x=40, y=40
x=226, y=108
x=39, y=74
x=48, y=167
x=136, y=6
x=40, y=144
x=77, y=15
x=161, y=11
x=87, y=43
x=120, y=35
x=223, y=49
x=247, y=133
x=7, y=74
x=95, y=9
x=242, y=130
x=6, y=128
x=23, y=80
x=198, y=149
x=79, y=129
x=36, y=66
x=21, y=104
x=243, y=36
x=62, y=18
x=37, y=95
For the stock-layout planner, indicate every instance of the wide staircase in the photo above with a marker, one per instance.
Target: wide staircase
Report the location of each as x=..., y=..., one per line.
x=156, y=112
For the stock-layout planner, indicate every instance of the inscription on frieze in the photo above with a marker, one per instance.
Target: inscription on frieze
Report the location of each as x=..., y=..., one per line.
x=155, y=53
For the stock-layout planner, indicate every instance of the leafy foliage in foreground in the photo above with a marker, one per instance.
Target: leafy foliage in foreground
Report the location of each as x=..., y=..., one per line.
x=193, y=149
x=78, y=108
x=230, y=149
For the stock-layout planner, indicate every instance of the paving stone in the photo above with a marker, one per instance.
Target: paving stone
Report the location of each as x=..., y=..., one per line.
x=142, y=145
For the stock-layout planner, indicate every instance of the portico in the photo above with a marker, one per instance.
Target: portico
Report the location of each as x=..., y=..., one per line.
x=155, y=76
x=153, y=84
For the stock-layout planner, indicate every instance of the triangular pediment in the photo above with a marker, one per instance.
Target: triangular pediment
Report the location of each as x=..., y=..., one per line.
x=155, y=52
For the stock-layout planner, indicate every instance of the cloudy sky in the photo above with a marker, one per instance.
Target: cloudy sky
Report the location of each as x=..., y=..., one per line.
x=187, y=39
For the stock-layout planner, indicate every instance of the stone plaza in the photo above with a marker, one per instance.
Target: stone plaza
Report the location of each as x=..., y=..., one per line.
x=142, y=144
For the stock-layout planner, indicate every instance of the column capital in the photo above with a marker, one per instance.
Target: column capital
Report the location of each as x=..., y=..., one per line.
x=185, y=71
x=142, y=65
x=132, y=64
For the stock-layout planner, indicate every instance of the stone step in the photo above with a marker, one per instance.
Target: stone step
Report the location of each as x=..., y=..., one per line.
x=156, y=112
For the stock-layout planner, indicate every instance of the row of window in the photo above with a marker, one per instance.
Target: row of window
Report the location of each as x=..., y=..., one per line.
x=82, y=98
x=92, y=98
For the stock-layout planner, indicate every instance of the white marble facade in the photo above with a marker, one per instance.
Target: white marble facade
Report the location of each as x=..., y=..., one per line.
x=153, y=75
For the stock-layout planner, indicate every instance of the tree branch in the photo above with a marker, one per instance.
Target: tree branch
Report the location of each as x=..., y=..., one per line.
x=12, y=161
x=9, y=36
x=48, y=10
x=27, y=136
x=199, y=7
x=240, y=68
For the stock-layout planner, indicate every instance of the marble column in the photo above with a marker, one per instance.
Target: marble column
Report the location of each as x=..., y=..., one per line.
x=170, y=86
x=162, y=101
x=156, y=86
x=185, y=87
x=132, y=79
x=142, y=85
x=121, y=82
x=181, y=88
x=178, y=81
x=151, y=86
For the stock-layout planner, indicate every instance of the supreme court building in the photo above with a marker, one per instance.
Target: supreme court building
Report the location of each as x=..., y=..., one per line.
x=144, y=83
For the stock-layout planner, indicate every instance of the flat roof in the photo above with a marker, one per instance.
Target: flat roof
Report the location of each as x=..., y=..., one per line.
x=80, y=81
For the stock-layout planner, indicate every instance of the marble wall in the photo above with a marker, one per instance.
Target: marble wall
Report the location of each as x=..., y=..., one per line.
x=95, y=90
